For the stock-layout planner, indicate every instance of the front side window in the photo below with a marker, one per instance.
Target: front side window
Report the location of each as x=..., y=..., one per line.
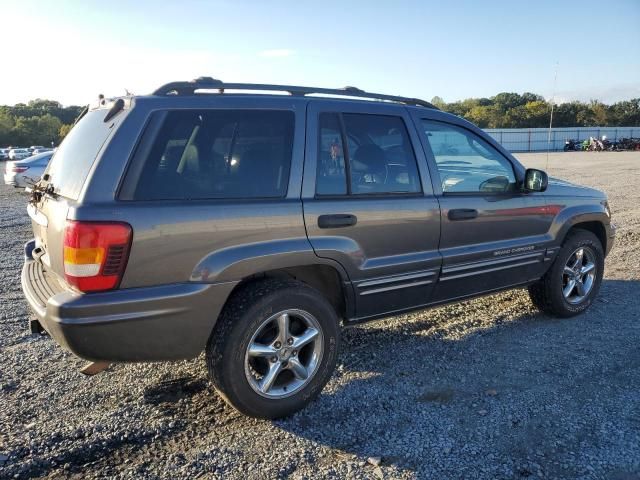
x=378, y=157
x=219, y=154
x=467, y=163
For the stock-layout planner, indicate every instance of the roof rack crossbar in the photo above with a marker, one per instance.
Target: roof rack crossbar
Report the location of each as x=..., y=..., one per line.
x=208, y=83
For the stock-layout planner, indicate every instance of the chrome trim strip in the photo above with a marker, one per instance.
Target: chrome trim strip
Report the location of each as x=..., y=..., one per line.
x=395, y=287
x=488, y=270
x=37, y=216
x=397, y=278
x=468, y=266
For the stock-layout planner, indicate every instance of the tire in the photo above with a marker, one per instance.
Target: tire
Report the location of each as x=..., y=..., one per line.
x=237, y=376
x=547, y=294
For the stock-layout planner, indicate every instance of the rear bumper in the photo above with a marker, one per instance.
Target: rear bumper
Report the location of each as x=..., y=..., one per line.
x=10, y=179
x=168, y=322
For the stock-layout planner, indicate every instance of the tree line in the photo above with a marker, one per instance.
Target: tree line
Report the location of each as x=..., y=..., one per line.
x=529, y=110
x=39, y=122
x=43, y=122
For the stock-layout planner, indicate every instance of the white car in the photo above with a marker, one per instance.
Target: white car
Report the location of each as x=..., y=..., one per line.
x=23, y=172
x=4, y=153
x=41, y=150
x=19, y=153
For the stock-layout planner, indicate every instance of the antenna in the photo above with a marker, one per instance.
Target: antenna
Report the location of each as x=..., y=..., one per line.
x=553, y=96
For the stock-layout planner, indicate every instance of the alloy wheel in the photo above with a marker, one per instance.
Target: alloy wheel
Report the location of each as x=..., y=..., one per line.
x=284, y=353
x=578, y=276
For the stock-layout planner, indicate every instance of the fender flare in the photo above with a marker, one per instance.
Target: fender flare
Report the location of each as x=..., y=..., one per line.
x=241, y=261
x=575, y=215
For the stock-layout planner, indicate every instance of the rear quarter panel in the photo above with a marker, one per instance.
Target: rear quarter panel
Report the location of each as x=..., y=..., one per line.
x=199, y=240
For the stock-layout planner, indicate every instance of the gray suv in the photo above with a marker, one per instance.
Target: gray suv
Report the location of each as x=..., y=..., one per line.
x=207, y=216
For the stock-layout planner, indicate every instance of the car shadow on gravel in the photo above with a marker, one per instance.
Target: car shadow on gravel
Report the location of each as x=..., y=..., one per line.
x=168, y=392
x=410, y=394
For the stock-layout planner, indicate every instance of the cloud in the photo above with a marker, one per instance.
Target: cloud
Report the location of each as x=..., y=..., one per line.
x=277, y=53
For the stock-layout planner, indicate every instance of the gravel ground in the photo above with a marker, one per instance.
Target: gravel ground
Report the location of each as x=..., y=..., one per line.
x=489, y=388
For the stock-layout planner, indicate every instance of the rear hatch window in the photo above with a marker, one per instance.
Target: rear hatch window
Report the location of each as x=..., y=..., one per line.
x=72, y=162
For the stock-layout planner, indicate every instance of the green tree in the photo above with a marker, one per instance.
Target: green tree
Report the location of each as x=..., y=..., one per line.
x=64, y=131
x=42, y=121
x=7, y=124
x=34, y=130
x=438, y=102
x=625, y=113
x=599, y=114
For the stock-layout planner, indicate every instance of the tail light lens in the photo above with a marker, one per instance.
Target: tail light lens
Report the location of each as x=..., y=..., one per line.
x=19, y=169
x=95, y=254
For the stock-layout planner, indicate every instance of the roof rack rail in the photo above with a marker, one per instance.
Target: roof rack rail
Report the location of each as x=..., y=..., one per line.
x=208, y=83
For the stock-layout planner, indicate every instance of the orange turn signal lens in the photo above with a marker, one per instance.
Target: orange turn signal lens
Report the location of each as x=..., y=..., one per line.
x=81, y=256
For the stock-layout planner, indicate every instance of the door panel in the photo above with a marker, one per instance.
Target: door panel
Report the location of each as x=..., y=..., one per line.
x=387, y=243
x=492, y=235
x=504, y=245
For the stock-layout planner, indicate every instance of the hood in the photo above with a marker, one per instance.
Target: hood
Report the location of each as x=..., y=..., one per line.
x=563, y=188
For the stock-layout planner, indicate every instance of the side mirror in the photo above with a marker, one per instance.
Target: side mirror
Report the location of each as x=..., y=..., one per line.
x=535, y=180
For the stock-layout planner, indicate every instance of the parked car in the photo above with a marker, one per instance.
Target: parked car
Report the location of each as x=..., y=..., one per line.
x=4, y=154
x=24, y=172
x=19, y=153
x=41, y=150
x=35, y=147
x=252, y=226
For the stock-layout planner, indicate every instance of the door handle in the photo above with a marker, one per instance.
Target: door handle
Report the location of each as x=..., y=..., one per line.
x=462, y=214
x=337, y=220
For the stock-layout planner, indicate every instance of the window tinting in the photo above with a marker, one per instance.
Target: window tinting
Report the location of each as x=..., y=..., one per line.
x=379, y=156
x=467, y=163
x=71, y=163
x=332, y=178
x=219, y=154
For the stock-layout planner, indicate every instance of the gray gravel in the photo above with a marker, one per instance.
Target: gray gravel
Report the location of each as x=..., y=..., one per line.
x=488, y=388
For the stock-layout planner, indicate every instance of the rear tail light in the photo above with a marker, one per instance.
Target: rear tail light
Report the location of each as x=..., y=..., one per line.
x=19, y=169
x=95, y=254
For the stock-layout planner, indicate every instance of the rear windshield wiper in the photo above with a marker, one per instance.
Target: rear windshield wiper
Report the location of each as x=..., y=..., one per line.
x=41, y=188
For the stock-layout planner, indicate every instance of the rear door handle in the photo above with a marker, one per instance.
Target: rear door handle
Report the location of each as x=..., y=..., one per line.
x=462, y=214
x=337, y=220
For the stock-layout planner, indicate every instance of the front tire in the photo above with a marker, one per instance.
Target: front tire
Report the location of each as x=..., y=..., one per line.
x=274, y=348
x=573, y=281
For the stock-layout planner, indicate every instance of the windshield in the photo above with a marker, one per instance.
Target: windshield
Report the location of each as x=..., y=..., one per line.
x=71, y=163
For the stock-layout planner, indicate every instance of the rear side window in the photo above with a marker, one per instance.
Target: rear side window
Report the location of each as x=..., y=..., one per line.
x=71, y=163
x=202, y=154
x=378, y=157
x=331, y=177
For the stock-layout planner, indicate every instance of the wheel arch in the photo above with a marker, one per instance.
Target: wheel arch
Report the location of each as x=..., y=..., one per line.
x=595, y=227
x=327, y=279
x=594, y=220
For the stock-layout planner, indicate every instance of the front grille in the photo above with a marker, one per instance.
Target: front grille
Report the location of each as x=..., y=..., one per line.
x=115, y=258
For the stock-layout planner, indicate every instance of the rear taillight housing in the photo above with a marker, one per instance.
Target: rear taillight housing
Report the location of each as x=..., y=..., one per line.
x=19, y=169
x=95, y=254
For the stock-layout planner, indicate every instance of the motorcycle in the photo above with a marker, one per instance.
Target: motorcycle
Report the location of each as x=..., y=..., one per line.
x=629, y=144
x=571, y=145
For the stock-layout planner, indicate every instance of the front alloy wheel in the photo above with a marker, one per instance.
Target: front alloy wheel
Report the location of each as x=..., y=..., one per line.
x=570, y=285
x=579, y=275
